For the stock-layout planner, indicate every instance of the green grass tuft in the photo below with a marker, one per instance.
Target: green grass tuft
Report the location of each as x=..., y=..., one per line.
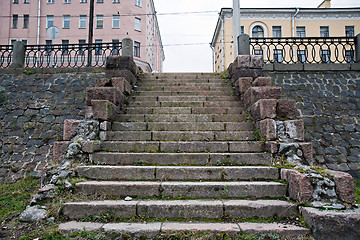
x=357, y=191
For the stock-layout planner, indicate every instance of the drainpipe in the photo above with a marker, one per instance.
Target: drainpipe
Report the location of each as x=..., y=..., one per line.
x=223, y=44
x=293, y=21
x=213, y=57
x=38, y=24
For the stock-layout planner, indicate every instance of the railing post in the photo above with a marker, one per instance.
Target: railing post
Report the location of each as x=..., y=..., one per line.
x=357, y=48
x=18, y=56
x=127, y=47
x=244, y=44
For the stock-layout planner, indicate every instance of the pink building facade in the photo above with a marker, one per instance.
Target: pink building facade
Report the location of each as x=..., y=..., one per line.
x=28, y=20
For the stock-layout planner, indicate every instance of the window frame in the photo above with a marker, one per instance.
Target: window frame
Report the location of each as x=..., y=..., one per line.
x=300, y=33
x=49, y=47
x=255, y=32
x=67, y=1
x=81, y=47
x=26, y=1
x=324, y=31
x=15, y=21
x=116, y=20
x=99, y=1
x=138, y=3
x=65, y=47
x=50, y=1
x=350, y=58
x=66, y=19
x=26, y=21
x=48, y=21
x=301, y=56
x=115, y=47
x=349, y=33
x=276, y=30
x=137, y=49
x=116, y=1
x=15, y=1
x=82, y=20
x=98, y=49
x=278, y=55
x=99, y=19
x=325, y=56
x=83, y=1
x=137, y=25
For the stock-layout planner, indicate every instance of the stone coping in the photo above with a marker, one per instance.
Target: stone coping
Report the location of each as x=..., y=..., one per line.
x=52, y=70
x=304, y=67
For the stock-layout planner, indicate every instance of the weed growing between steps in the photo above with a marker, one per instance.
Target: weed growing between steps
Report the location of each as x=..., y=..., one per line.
x=357, y=191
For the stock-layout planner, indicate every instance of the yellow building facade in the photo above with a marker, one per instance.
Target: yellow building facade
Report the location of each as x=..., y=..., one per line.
x=282, y=23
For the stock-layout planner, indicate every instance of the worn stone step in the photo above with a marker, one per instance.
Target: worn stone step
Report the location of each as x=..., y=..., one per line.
x=153, y=229
x=184, y=110
x=184, y=93
x=182, y=209
x=175, y=98
x=178, y=173
x=177, y=135
x=184, y=84
x=183, y=189
x=185, y=146
x=152, y=81
x=186, y=88
x=183, y=126
x=227, y=159
x=181, y=118
x=186, y=104
x=181, y=76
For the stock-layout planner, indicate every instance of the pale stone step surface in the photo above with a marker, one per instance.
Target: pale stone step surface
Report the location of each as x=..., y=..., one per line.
x=184, y=189
x=199, y=88
x=181, y=118
x=182, y=84
x=185, y=98
x=181, y=158
x=178, y=173
x=143, y=94
x=151, y=230
x=183, y=126
x=184, y=209
x=182, y=146
x=186, y=104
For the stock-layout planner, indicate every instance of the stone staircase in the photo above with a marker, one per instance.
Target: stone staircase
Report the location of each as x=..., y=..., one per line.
x=183, y=151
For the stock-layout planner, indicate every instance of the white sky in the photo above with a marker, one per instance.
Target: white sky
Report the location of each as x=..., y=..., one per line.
x=199, y=28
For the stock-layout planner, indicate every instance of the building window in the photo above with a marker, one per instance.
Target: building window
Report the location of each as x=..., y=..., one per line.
x=278, y=55
x=12, y=41
x=349, y=56
x=324, y=32
x=26, y=1
x=81, y=47
x=325, y=56
x=258, y=52
x=257, y=32
x=49, y=21
x=16, y=1
x=138, y=3
x=300, y=32
x=83, y=1
x=14, y=21
x=48, y=47
x=136, y=49
x=276, y=31
x=99, y=21
x=98, y=44
x=100, y=1
x=67, y=1
x=83, y=21
x=138, y=24
x=242, y=29
x=26, y=21
x=65, y=47
x=349, y=31
x=116, y=21
x=24, y=41
x=301, y=55
x=50, y=1
x=66, y=21
x=116, y=1
x=116, y=47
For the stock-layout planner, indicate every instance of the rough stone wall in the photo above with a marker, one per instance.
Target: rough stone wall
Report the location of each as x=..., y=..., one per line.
x=329, y=104
x=33, y=108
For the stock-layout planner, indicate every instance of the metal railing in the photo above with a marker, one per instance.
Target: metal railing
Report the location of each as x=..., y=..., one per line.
x=304, y=50
x=5, y=55
x=63, y=55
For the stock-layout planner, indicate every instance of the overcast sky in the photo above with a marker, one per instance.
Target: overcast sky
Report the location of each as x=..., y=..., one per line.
x=180, y=31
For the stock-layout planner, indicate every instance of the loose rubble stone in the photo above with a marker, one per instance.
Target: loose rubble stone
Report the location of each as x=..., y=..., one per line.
x=300, y=187
x=33, y=214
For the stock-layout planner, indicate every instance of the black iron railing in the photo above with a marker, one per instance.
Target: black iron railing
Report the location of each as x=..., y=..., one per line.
x=62, y=55
x=5, y=55
x=70, y=55
x=304, y=50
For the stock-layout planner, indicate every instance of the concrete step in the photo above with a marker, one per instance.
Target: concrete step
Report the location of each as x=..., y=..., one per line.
x=151, y=81
x=184, y=84
x=184, y=93
x=181, y=76
x=186, y=104
x=183, y=189
x=167, y=173
x=203, y=229
x=175, y=98
x=183, y=126
x=184, y=110
x=181, y=118
x=185, y=146
x=177, y=135
x=182, y=209
x=227, y=159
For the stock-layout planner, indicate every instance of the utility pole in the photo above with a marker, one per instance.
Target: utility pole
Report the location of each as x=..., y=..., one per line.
x=237, y=26
x=91, y=32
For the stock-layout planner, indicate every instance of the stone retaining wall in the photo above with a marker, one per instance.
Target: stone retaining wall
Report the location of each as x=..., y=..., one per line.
x=33, y=108
x=329, y=104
